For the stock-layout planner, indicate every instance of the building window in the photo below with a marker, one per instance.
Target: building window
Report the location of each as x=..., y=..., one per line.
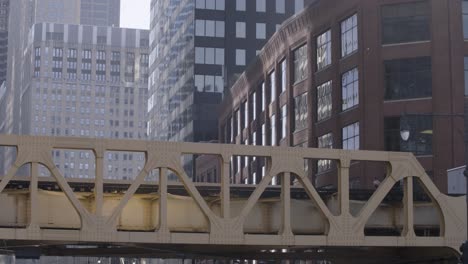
x=350, y=89
x=349, y=36
x=264, y=99
x=37, y=51
x=273, y=130
x=115, y=56
x=300, y=112
x=101, y=55
x=420, y=134
x=210, y=4
x=408, y=78
x=284, y=121
x=58, y=52
x=245, y=110
x=324, y=101
x=261, y=31
x=298, y=6
x=209, y=28
x=209, y=83
x=465, y=18
x=71, y=53
x=240, y=29
x=325, y=141
x=220, y=4
x=466, y=75
x=280, y=6
x=219, y=29
x=324, y=50
x=238, y=123
x=351, y=136
x=261, y=5
x=283, y=76
x=213, y=56
x=253, y=102
x=240, y=57
x=406, y=22
x=240, y=5
x=272, y=80
x=86, y=54
x=264, y=138
x=300, y=64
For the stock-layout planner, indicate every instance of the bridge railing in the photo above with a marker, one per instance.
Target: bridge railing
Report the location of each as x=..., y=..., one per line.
x=342, y=228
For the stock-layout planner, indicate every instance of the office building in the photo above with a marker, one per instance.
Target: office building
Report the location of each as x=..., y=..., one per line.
x=197, y=48
x=87, y=81
x=84, y=12
x=4, y=11
x=100, y=12
x=351, y=74
x=21, y=14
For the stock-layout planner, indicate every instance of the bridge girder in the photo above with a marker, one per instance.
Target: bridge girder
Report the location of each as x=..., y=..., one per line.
x=225, y=221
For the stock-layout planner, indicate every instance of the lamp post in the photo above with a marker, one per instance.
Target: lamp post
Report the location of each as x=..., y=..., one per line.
x=405, y=133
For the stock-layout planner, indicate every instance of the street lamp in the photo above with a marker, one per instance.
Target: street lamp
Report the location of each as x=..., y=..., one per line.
x=405, y=133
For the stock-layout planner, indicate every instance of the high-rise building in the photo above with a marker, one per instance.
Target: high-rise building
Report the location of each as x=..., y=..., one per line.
x=20, y=21
x=87, y=81
x=4, y=11
x=100, y=12
x=85, y=12
x=57, y=11
x=354, y=74
x=197, y=48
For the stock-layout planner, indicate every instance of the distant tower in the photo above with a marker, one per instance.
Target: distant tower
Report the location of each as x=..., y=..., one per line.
x=4, y=11
x=100, y=13
x=85, y=12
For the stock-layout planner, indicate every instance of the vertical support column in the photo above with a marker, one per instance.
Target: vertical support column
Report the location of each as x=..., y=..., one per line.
x=408, y=203
x=99, y=182
x=225, y=189
x=343, y=186
x=163, y=200
x=286, y=204
x=34, y=193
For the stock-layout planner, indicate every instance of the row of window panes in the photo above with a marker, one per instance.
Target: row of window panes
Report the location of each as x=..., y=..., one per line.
x=465, y=18
x=209, y=28
x=349, y=44
x=325, y=141
x=350, y=141
x=209, y=83
x=260, y=30
x=100, y=54
x=260, y=5
x=350, y=98
x=209, y=55
x=406, y=22
x=210, y=4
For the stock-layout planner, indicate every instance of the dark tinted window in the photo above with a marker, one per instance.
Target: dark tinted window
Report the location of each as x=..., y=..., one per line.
x=465, y=18
x=300, y=64
x=392, y=133
x=420, y=134
x=300, y=112
x=466, y=75
x=406, y=22
x=408, y=78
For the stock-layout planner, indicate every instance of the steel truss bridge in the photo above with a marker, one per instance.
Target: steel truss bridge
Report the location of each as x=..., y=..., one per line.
x=99, y=217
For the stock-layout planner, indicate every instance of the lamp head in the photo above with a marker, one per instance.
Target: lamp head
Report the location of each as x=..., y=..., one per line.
x=404, y=134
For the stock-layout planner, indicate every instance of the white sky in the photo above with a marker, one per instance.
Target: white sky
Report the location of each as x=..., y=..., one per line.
x=135, y=14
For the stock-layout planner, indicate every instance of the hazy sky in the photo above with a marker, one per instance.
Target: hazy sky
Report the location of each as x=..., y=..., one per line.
x=135, y=14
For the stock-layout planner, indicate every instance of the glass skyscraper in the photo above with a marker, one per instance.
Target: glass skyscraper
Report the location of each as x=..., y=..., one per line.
x=199, y=47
